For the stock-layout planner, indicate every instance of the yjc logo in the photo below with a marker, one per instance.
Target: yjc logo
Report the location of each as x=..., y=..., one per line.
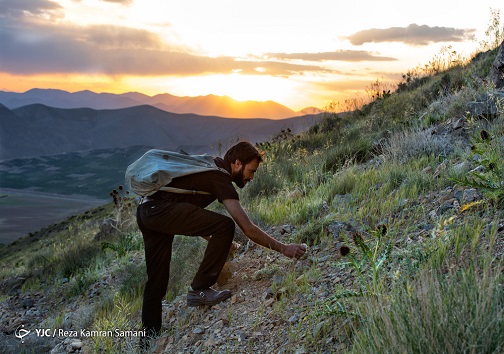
x=21, y=333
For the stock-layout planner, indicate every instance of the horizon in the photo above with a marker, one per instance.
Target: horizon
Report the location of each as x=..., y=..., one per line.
x=136, y=92
x=291, y=54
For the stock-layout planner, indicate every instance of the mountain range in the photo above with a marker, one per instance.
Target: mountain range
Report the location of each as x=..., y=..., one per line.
x=38, y=130
x=211, y=105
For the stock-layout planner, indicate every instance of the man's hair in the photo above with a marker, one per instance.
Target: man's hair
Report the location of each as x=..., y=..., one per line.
x=243, y=151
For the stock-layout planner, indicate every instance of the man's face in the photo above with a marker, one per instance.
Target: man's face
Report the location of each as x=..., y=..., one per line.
x=244, y=173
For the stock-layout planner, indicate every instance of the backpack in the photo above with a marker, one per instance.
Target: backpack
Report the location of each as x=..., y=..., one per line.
x=157, y=168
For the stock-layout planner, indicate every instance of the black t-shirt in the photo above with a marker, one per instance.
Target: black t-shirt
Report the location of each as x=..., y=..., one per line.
x=217, y=183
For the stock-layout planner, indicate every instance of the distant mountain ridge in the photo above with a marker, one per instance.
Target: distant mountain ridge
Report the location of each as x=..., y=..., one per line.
x=39, y=130
x=210, y=105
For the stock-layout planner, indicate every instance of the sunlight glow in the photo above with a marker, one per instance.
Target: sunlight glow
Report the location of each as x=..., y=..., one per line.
x=237, y=86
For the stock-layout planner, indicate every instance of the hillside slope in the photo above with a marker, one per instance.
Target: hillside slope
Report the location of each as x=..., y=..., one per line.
x=278, y=305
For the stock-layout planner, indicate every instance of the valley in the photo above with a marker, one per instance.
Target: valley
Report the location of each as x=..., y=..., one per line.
x=27, y=211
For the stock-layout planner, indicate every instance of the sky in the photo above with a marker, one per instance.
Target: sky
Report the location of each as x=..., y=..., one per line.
x=297, y=53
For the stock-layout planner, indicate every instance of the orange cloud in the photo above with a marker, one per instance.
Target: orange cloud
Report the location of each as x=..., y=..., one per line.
x=339, y=55
x=412, y=35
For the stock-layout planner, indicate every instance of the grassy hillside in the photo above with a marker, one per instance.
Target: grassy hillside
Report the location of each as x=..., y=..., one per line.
x=399, y=201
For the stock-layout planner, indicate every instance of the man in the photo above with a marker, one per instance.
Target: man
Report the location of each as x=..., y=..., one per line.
x=164, y=214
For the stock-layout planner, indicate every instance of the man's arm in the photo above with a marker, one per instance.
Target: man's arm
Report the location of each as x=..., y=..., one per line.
x=256, y=235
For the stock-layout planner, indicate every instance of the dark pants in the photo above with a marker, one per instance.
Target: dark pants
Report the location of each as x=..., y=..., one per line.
x=159, y=221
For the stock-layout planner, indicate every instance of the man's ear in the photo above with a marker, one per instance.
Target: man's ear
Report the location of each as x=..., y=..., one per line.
x=237, y=163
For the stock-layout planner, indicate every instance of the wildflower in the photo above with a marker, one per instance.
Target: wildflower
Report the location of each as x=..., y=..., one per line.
x=344, y=250
x=381, y=229
x=356, y=237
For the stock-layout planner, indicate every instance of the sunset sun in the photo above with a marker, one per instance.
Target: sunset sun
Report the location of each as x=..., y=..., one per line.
x=237, y=86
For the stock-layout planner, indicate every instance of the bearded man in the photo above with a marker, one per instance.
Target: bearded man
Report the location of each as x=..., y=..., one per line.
x=163, y=215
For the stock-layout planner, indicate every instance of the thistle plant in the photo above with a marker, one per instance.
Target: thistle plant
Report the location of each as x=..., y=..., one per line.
x=125, y=208
x=128, y=241
x=490, y=178
x=372, y=258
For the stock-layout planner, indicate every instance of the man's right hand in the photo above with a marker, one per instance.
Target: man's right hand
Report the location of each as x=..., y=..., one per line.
x=294, y=251
x=256, y=235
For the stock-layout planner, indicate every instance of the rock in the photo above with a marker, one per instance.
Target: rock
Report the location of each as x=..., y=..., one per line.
x=108, y=229
x=460, y=168
x=226, y=273
x=445, y=207
x=336, y=227
x=242, y=337
x=293, y=319
x=440, y=169
x=210, y=342
x=496, y=75
x=27, y=303
x=269, y=302
x=485, y=106
x=470, y=195
x=218, y=325
x=459, y=124
x=76, y=344
x=277, y=279
x=198, y=330
x=479, y=169
x=428, y=170
x=268, y=294
x=324, y=209
x=234, y=299
x=301, y=350
x=280, y=292
x=287, y=228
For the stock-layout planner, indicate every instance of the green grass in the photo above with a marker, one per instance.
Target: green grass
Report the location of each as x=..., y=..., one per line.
x=458, y=312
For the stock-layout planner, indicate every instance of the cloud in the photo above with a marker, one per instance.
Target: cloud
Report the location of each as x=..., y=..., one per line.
x=123, y=2
x=115, y=51
x=412, y=35
x=110, y=37
x=339, y=55
x=22, y=8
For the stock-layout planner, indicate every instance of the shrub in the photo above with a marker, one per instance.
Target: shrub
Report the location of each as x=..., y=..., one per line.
x=77, y=257
x=414, y=143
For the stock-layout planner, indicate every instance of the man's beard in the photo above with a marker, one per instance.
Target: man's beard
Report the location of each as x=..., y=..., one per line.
x=238, y=179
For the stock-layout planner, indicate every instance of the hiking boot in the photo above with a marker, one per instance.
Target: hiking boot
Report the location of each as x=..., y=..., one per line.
x=206, y=297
